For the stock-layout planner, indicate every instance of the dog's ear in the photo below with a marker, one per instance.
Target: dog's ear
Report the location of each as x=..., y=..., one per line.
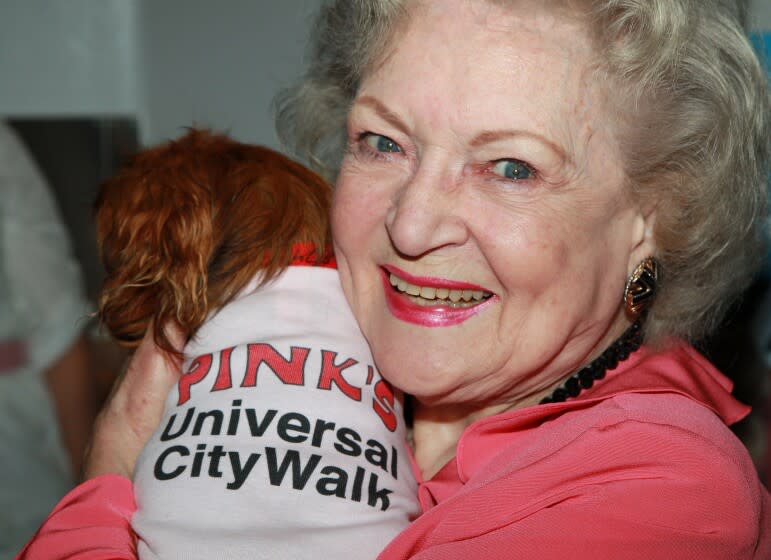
x=154, y=233
x=275, y=205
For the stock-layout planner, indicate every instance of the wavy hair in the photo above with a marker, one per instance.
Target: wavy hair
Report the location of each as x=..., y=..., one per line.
x=692, y=105
x=188, y=224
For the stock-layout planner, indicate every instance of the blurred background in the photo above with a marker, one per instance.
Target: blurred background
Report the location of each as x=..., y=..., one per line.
x=85, y=82
x=83, y=85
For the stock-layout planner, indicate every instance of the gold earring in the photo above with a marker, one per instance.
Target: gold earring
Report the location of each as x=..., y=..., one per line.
x=641, y=287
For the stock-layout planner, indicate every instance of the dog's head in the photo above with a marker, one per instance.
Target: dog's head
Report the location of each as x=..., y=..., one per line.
x=186, y=225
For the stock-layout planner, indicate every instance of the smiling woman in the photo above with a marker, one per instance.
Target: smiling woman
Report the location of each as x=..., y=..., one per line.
x=442, y=209
x=504, y=212
x=515, y=181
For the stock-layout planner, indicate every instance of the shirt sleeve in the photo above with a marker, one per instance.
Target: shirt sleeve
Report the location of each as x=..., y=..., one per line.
x=92, y=522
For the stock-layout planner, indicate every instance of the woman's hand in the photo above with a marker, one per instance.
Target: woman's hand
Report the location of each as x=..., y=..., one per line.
x=134, y=408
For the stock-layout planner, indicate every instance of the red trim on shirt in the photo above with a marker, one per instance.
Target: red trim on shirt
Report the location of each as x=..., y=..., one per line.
x=306, y=254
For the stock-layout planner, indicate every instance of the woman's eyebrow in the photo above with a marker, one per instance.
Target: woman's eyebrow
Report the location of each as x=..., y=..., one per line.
x=490, y=136
x=383, y=112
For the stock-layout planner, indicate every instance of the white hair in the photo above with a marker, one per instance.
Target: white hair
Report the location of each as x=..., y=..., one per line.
x=692, y=104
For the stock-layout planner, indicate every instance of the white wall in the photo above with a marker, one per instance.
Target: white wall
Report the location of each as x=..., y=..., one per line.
x=217, y=63
x=70, y=57
x=760, y=15
x=167, y=63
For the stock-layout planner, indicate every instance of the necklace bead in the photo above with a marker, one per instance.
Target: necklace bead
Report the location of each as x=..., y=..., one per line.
x=596, y=369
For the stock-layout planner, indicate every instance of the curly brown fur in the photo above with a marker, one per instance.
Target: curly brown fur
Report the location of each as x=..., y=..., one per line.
x=186, y=225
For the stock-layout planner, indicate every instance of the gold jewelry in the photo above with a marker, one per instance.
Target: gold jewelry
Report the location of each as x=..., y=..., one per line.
x=641, y=287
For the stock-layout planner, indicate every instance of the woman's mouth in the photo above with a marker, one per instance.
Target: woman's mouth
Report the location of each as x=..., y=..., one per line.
x=431, y=302
x=430, y=296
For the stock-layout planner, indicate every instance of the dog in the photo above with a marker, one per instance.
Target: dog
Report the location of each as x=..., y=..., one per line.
x=280, y=426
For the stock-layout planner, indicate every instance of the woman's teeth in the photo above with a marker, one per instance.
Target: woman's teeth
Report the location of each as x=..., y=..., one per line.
x=427, y=296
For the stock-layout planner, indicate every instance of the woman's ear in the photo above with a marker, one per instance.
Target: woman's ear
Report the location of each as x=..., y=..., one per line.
x=643, y=241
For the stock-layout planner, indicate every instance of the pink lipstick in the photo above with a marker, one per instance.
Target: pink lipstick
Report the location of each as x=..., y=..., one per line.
x=441, y=312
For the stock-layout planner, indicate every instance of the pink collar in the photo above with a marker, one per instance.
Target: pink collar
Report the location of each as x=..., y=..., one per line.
x=678, y=369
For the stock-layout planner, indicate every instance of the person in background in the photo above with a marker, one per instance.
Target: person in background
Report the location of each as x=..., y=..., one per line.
x=47, y=394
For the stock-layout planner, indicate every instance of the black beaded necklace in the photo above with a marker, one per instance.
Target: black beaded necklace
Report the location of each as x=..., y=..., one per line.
x=596, y=369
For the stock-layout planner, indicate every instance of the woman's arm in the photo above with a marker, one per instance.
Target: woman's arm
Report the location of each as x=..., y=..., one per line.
x=134, y=408
x=93, y=522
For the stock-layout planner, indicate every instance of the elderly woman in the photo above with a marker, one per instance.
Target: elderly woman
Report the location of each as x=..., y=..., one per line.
x=515, y=181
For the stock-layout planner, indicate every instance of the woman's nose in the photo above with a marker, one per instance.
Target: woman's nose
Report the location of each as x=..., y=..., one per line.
x=427, y=214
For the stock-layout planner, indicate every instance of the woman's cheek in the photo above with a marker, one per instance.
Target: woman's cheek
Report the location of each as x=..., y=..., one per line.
x=352, y=228
x=344, y=208
x=359, y=205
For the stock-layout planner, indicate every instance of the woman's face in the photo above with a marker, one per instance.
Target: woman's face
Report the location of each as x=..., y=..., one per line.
x=482, y=166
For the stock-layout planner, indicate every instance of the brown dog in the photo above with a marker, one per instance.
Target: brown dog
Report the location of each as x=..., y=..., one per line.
x=185, y=226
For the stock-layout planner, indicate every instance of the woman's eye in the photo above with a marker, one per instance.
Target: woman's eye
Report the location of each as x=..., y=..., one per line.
x=513, y=169
x=382, y=143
